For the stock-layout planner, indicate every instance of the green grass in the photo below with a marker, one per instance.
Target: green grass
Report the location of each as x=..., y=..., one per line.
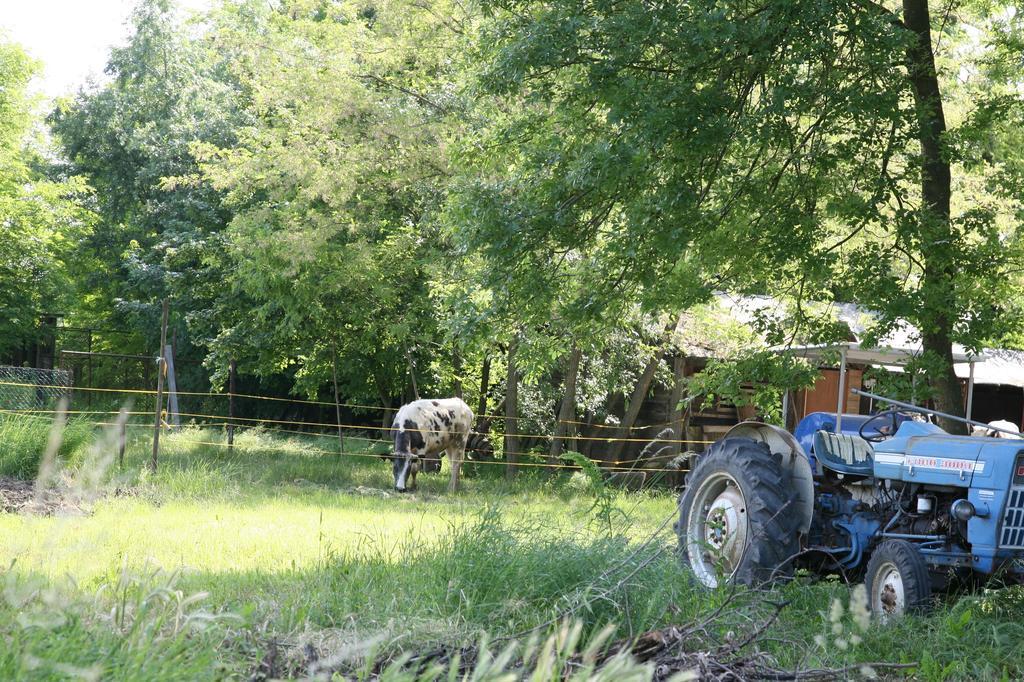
x=193, y=573
x=23, y=442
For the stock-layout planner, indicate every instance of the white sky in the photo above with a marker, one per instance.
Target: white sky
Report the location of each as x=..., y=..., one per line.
x=71, y=37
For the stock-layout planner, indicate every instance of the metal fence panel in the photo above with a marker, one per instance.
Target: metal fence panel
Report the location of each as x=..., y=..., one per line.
x=28, y=388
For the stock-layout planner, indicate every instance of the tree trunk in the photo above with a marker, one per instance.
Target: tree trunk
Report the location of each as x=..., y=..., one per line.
x=567, y=410
x=457, y=371
x=412, y=374
x=588, y=430
x=485, y=386
x=938, y=296
x=678, y=382
x=511, y=413
x=385, y=421
x=636, y=401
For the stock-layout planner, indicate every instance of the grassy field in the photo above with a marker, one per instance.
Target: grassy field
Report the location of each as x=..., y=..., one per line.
x=278, y=552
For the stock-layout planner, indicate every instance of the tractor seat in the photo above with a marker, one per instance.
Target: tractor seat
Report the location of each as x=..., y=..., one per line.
x=844, y=453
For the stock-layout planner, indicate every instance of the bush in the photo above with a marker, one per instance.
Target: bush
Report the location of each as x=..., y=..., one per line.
x=23, y=441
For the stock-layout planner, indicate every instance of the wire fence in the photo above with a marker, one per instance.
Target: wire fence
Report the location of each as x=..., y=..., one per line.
x=28, y=388
x=44, y=384
x=150, y=393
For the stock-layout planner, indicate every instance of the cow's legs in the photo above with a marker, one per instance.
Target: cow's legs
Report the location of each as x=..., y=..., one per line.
x=456, y=453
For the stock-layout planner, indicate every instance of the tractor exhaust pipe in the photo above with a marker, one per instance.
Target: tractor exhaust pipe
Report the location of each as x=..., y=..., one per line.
x=922, y=410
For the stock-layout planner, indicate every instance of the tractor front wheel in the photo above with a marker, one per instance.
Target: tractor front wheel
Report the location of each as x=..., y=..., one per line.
x=737, y=519
x=897, y=580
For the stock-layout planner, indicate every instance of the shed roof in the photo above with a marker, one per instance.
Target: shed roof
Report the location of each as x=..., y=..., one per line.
x=992, y=366
x=883, y=355
x=1001, y=367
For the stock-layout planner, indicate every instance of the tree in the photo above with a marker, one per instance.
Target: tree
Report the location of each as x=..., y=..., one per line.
x=160, y=227
x=798, y=149
x=42, y=219
x=333, y=182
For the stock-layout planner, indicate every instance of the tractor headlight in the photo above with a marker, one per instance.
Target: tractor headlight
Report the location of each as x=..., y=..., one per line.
x=962, y=510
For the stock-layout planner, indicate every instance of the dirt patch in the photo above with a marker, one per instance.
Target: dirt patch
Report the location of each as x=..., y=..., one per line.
x=368, y=492
x=21, y=497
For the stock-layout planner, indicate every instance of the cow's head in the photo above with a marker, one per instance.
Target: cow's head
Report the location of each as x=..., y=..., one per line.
x=405, y=462
x=404, y=467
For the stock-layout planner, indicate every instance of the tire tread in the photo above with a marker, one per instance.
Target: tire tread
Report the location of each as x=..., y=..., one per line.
x=917, y=585
x=774, y=518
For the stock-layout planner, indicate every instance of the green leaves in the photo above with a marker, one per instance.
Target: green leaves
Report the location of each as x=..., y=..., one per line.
x=159, y=222
x=41, y=220
x=754, y=378
x=404, y=180
x=333, y=182
x=647, y=149
x=653, y=153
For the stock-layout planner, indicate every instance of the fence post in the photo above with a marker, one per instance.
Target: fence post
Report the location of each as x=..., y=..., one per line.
x=159, y=389
x=232, y=371
x=337, y=404
x=512, y=411
x=122, y=436
x=173, y=418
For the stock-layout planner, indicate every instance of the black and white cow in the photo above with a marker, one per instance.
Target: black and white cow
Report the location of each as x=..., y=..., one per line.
x=423, y=430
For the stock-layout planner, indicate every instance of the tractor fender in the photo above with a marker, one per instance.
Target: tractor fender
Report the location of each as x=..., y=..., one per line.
x=794, y=461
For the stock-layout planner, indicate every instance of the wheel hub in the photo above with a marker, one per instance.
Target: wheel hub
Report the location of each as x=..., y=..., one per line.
x=723, y=519
x=889, y=597
x=717, y=529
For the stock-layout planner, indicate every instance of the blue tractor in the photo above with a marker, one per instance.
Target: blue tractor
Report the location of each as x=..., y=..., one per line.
x=890, y=497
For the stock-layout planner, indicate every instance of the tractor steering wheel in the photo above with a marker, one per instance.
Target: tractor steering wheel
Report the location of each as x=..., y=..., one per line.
x=882, y=432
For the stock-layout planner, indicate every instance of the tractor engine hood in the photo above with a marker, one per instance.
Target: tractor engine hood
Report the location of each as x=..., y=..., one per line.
x=923, y=453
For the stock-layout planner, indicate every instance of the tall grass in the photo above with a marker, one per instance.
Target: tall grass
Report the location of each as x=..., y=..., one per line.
x=495, y=573
x=24, y=438
x=138, y=626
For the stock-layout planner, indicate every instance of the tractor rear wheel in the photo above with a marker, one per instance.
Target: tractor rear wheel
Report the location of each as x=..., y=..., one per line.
x=737, y=518
x=897, y=580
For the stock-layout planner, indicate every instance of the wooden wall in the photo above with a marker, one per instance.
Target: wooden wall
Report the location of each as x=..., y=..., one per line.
x=825, y=394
